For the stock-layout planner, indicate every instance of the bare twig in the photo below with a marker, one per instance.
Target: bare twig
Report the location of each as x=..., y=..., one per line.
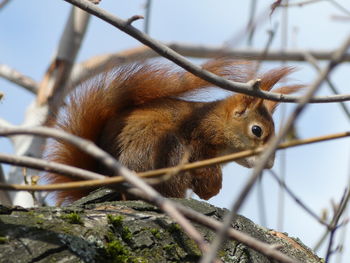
x=270, y=149
x=148, y=8
x=340, y=7
x=39, y=164
x=283, y=163
x=340, y=18
x=307, y=2
x=251, y=22
x=298, y=200
x=163, y=50
x=334, y=223
x=265, y=51
x=3, y=3
x=343, y=234
x=313, y=62
x=99, y=64
x=4, y=196
x=300, y=4
x=200, y=51
x=18, y=78
x=52, y=88
x=133, y=19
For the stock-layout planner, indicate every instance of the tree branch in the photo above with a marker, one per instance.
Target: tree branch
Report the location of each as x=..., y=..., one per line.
x=99, y=64
x=52, y=87
x=18, y=78
x=4, y=196
x=163, y=50
x=43, y=165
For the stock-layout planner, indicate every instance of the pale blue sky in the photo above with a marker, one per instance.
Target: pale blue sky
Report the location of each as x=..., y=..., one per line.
x=30, y=31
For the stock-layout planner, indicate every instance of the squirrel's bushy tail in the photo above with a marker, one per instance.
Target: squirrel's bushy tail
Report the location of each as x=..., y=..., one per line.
x=90, y=106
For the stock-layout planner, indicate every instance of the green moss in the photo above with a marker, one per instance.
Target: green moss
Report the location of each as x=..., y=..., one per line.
x=156, y=233
x=171, y=251
x=126, y=234
x=40, y=221
x=73, y=218
x=118, y=253
x=173, y=228
x=169, y=247
x=139, y=260
x=115, y=220
x=193, y=247
x=3, y=240
x=221, y=253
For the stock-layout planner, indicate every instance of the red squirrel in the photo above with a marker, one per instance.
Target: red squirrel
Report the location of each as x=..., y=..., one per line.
x=136, y=115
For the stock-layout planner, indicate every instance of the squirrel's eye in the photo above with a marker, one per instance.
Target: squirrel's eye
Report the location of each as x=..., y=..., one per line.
x=257, y=131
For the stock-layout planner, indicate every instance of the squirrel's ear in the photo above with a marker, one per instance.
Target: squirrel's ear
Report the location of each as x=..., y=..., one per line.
x=270, y=78
x=272, y=105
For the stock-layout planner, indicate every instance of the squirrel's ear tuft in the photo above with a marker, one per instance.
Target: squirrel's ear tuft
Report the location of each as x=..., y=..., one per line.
x=270, y=78
x=272, y=105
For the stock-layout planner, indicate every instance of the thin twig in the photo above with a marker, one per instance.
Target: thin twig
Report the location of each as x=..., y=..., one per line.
x=343, y=234
x=251, y=23
x=261, y=203
x=18, y=78
x=3, y=3
x=334, y=223
x=202, y=51
x=133, y=19
x=340, y=7
x=98, y=64
x=4, y=195
x=39, y=164
x=298, y=200
x=283, y=163
x=332, y=2
x=28, y=162
x=270, y=149
x=52, y=87
x=163, y=50
x=148, y=8
x=313, y=62
x=265, y=51
x=301, y=3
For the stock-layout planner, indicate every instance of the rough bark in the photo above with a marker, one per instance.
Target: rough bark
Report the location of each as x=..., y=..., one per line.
x=96, y=229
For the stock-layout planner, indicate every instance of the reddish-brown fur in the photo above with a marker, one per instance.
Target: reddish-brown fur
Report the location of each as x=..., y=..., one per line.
x=135, y=116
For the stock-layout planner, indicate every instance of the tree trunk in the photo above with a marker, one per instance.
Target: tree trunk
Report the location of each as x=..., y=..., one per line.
x=95, y=229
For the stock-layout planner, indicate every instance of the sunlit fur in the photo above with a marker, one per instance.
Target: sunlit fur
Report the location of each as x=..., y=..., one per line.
x=135, y=115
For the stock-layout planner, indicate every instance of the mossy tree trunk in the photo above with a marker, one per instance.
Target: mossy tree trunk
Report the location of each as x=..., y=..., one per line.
x=96, y=230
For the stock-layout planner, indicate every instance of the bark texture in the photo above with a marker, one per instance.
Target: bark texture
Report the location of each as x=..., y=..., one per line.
x=97, y=229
